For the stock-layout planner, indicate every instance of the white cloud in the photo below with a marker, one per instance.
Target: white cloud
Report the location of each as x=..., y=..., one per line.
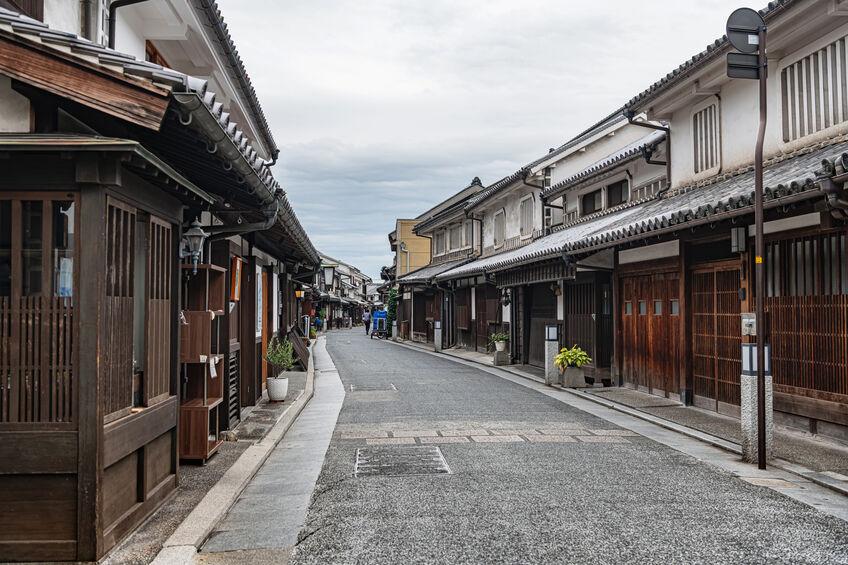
x=383, y=108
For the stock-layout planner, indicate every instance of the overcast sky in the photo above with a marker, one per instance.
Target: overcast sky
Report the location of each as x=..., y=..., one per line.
x=384, y=108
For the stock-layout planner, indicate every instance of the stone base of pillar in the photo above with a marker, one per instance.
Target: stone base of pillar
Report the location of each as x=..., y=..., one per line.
x=501, y=358
x=552, y=374
x=437, y=339
x=749, y=418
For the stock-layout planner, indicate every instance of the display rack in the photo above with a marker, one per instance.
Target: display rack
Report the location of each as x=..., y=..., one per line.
x=204, y=301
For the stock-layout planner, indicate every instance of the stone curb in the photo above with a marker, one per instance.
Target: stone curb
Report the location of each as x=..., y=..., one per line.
x=782, y=464
x=182, y=546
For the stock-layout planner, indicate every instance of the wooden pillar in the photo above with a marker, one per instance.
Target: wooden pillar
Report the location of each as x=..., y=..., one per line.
x=92, y=253
x=249, y=375
x=615, y=284
x=684, y=300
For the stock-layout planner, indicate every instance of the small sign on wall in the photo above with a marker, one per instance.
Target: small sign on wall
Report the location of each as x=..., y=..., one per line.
x=235, y=279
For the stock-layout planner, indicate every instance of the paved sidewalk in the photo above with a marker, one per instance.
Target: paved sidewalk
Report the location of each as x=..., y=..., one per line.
x=263, y=524
x=142, y=546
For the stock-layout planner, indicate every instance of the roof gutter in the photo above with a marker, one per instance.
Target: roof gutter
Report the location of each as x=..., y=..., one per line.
x=199, y=116
x=630, y=114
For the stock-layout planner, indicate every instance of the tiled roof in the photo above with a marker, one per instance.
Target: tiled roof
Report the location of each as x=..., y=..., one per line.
x=221, y=36
x=181, y=86
x=713, y=50
x=627, y=153
x=450, y=210
x=522, y=173
x=792, y=176
x=428, y=273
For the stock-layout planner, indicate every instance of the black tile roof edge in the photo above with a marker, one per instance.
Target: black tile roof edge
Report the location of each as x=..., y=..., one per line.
x=790, y=187
x=603, y=165
x=460, y=204
x=412, y=279
x=213, y=14
x=714, y=49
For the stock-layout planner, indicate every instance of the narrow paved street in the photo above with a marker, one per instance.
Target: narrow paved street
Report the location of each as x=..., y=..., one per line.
x=531, y=480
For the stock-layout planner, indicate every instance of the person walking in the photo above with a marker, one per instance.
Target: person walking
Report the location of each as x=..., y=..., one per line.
x=366, y=317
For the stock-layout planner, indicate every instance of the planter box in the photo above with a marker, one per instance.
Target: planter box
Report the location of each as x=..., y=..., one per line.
x=573, y=377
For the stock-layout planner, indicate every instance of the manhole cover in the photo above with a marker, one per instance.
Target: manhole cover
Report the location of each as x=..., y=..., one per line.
x=397, y=461
x=372, y=387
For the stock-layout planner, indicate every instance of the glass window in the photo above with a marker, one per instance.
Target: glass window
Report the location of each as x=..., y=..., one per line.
x=643, y=307
x=658, y=307
x=675, y=307
x=63, y=248
x=628, y=307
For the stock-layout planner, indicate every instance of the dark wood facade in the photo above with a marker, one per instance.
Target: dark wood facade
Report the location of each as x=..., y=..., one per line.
x=88, y=341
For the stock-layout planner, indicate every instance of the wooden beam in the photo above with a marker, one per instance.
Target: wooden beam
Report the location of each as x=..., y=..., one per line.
x=131, y=99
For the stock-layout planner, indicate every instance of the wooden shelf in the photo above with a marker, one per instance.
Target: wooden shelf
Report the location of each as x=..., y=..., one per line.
x=197, y=403
x=204, y=267
x=207, y=290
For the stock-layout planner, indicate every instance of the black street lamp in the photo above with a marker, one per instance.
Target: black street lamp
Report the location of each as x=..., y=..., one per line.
x=194, y=238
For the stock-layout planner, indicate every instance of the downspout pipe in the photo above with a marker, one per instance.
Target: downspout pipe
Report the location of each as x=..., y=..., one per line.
x=405, y=250
x=89, y=20
x=113, y=8
x=630, y=114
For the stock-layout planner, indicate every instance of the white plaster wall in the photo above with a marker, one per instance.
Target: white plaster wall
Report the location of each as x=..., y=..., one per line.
x=739, y=117
x=63, y=15
x=129, y=34
x=649, y=252
x=576, y=162
x=14, y=109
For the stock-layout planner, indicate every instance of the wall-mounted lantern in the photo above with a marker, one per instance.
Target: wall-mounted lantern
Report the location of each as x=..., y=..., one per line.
x=192, y=244
x=749, y=359
x=739, y=239
x=329, y=275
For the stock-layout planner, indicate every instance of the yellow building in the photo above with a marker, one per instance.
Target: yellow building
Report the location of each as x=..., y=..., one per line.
x=410, y=251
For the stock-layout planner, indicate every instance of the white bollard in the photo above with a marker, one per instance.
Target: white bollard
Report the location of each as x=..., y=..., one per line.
x=749, y=418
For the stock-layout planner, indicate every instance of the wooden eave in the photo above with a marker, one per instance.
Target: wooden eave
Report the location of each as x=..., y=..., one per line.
x=132, y=99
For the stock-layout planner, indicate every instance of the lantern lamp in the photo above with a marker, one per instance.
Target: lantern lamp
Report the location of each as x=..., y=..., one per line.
x=193, y=239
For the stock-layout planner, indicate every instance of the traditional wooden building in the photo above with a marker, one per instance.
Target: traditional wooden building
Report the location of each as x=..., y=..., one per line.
x=146, y=257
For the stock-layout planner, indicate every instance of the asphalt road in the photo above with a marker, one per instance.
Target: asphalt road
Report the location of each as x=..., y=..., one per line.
x=532, y=480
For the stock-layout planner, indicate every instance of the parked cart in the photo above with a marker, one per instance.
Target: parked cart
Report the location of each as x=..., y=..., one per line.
x=379, y=321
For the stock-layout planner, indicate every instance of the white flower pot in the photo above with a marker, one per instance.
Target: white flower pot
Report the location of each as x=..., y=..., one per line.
x=500, y=346
x=278, y=388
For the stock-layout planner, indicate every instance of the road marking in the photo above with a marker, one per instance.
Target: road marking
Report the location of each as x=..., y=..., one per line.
x=454, y=439
x=390, y=441
x=602, y=439
x=551, y=439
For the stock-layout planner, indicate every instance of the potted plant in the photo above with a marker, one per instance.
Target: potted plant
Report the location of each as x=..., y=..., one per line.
x=571, y=362
x=312, y=333
x=280, y=356
x=500, y=340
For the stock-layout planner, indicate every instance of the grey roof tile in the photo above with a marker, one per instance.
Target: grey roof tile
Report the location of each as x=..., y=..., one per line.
x=782, y=176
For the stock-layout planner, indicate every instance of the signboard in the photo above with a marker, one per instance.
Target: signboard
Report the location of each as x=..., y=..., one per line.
x=743, y=30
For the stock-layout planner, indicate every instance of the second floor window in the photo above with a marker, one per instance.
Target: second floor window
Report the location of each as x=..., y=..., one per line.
x=439, y=243
x=705, y=137
x=526, y=215
x=813, y=91
x=617, y=193
x=500, y=227
x=455, y=238
x=592, y=202
x=469, y=233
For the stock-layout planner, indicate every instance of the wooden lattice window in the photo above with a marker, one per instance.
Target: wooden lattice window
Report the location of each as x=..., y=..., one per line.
x=814, y=92
x=807, y=302
x=500, y=227
x=706, y=138
x=526, y=215
x=38, y=331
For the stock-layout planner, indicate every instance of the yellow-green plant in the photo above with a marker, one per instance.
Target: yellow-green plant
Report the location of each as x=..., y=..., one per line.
x=280, y=355
x=574, y=357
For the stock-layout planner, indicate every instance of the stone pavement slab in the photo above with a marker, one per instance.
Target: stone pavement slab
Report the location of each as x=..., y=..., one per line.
x=270, y=511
